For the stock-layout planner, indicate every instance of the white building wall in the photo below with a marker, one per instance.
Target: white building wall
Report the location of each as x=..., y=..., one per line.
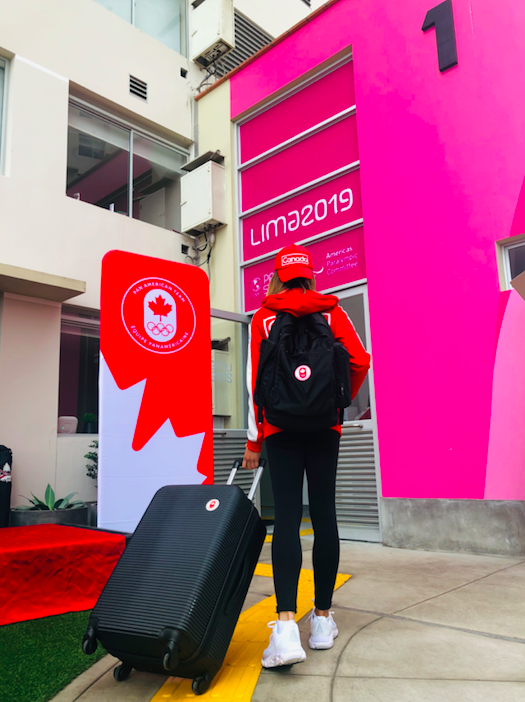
x=29, y=352
x=274, y=16
x=97, y=51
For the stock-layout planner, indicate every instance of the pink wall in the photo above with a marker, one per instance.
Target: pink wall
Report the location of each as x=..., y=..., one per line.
x=442, y=164
x=300, y=164
x=338, y=260
x=309, y=107
x=305, y=215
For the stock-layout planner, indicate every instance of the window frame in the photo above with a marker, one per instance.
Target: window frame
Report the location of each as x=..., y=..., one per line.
x=506, y=247
x=3, y=113
x=132, y=129
x=87, y=320
x=184, y=35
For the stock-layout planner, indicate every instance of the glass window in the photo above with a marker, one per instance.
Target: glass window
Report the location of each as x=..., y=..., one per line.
x=516, y=259
x=354, y=306
x=97, y=161
x=2, y=86
x=99, y=169
x=156, y=183
x=229, y=348
x=122, y=8
x=164, y=20
x=78, y=375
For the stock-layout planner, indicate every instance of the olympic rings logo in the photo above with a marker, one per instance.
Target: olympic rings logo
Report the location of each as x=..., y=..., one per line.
x=160, y=329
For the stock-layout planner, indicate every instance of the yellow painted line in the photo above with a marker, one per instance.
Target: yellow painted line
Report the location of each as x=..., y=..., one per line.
x=236, y=680
x=264, y=569
x=303, y=532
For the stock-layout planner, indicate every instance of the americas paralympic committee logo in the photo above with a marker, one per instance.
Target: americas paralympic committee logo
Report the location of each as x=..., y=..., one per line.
x=158, y=315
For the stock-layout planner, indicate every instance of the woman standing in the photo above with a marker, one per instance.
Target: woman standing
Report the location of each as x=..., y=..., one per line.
x=291, y=454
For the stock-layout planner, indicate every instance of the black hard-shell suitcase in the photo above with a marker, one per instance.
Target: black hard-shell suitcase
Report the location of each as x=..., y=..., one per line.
x=174, y=598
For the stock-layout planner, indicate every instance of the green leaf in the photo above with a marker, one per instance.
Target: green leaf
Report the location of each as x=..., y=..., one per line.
x=23, y=507
x=61, y=504
x=76, y=503
x=49, y=497
x=38, y=502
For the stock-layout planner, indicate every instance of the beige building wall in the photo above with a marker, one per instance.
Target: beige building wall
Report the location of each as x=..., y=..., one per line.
x=274, y=16
x=40, y=227
x=97, y=51
x=57, y=48
x=29, y=352
x=216, y=133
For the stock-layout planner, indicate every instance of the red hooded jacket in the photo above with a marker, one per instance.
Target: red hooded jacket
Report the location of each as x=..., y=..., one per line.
x=300, y=303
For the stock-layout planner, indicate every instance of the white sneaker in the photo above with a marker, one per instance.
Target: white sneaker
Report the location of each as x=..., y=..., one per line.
x=323, y=631
x=285, y=645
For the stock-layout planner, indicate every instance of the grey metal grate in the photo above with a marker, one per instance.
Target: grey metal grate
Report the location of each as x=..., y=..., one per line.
x=249, y=39
x=227, y=447
x=138, y=88
x=356, y=498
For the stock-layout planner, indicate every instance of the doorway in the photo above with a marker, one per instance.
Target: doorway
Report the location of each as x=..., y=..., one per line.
x=357, y=500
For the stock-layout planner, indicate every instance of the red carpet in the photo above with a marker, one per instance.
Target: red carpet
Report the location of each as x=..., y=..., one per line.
x=50, y=569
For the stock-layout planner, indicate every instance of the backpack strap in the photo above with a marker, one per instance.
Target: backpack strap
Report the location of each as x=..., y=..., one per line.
x=318, y=319
x=282, y=320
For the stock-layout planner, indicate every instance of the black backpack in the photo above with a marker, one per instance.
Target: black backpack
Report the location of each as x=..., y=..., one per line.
x=303, y=380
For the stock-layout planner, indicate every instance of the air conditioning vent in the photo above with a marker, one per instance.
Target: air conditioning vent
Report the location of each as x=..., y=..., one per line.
x=138, y=88
x=249, y=39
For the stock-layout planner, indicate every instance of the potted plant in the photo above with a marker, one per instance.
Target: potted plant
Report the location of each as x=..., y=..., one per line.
x=92, y=468
x=50, y=511
x=92, y=472
x=90, y=422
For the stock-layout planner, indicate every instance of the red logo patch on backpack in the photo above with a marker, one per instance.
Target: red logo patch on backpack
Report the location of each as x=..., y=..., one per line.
x=303, y=372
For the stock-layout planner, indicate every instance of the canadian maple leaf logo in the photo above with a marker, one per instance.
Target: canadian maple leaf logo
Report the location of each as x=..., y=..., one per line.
x=159, y=306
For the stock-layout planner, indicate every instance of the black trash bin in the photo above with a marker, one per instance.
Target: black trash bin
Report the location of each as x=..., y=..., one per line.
x=6, y=462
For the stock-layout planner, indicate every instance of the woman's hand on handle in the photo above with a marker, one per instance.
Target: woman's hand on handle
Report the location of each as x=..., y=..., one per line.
x=250, y=459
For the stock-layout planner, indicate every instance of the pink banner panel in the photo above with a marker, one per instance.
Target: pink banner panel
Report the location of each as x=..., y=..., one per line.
x=316, y=211
x=338, y=260
x=320, y=154
x=299, y=112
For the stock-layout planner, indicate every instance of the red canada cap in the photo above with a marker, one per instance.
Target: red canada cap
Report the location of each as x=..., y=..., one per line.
x=294, y=262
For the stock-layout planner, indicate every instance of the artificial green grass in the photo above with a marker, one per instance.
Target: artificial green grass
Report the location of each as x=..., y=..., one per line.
x=40, y=657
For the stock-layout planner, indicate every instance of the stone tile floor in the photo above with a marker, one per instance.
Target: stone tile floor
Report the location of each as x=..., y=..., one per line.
x=414, y=626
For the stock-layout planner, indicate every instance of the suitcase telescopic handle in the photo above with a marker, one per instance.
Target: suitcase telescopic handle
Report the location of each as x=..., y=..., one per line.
x=256, y=479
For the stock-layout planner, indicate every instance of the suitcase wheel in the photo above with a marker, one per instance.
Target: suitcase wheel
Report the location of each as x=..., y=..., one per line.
x=89, y=642
x=201, y=685
x=122, y=672
x=171, y=656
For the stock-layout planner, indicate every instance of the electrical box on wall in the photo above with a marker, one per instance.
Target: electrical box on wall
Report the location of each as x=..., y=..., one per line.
x=222, y=378
x=203, y=197
x=212, y=30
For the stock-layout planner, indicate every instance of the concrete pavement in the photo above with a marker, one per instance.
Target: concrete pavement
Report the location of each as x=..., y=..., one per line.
x=414, y=627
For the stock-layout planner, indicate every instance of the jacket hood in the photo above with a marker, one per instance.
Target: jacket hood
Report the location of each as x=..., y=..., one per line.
x=299, y=302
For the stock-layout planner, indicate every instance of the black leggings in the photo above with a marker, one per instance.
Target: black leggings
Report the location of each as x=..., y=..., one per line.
x=289, y=455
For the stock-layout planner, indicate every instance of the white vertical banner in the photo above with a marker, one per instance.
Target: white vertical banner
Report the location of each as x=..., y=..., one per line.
x=155, y=424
